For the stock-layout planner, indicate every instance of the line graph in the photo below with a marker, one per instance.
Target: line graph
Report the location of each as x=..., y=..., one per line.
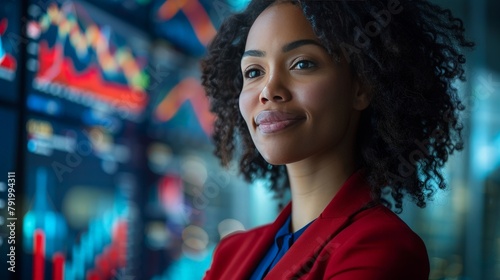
x=188, y=90
x=194, y=12
x=88, y=57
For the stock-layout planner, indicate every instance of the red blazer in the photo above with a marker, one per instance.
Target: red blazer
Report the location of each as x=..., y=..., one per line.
x=375, y=244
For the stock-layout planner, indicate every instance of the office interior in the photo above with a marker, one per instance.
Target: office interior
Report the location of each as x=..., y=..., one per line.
x=106, y=133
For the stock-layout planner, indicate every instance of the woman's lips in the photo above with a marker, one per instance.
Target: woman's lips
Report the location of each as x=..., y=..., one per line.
x=275, y=121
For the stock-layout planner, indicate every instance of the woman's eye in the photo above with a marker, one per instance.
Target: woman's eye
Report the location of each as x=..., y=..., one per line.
x=252, y=73
x=304, y=64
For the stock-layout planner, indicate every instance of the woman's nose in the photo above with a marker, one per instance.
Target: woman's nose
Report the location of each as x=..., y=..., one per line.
x=275, y=90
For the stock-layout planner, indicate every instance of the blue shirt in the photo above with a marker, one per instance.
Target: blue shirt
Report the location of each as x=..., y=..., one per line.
x=283, y=240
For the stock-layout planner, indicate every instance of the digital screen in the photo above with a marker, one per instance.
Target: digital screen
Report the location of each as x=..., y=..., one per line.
x=179, y=111
x=10, y=43
x=191, y=24
x=81, y=217
x=137, y=12
x=491, y=236
x=179, y=166
x=85, y=64
x=181, y=188
x=8, y=148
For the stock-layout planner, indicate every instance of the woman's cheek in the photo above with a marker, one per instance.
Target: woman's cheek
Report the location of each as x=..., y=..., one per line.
x=245, y=106
x=324, y=93
x=313, y=95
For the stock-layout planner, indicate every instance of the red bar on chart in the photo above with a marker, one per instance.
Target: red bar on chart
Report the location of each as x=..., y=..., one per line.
x=58, y=261
x=93, y=275
x=38, y=254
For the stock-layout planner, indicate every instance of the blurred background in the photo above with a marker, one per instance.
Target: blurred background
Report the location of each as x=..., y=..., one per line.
x=107, y=135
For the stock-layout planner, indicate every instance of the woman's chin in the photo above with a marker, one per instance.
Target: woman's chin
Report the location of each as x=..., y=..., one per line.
x=276, y=159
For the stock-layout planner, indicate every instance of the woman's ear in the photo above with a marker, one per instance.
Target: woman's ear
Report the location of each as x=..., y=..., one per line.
x=362, y=96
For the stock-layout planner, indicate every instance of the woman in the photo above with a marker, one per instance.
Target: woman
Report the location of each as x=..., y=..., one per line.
x=343, y=102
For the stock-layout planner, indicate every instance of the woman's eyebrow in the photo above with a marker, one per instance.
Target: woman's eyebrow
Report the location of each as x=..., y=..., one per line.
x=286, y=48
x=254, y=53
x=299, y=43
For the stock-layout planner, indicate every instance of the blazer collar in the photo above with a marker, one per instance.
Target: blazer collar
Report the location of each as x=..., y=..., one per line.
x=354, y=194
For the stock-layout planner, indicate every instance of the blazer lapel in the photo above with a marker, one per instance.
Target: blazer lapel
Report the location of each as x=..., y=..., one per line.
x=353, y=195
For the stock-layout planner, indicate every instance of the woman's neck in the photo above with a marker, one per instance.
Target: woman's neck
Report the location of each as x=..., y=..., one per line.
x=314, y=182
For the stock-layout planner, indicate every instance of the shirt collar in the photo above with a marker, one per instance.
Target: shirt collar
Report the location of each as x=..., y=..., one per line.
x=285, y=230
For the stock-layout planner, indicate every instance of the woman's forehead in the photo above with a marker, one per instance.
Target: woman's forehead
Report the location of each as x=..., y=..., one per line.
x=278, y=24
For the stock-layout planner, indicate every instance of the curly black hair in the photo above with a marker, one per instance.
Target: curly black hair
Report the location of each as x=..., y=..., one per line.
x=408, y=52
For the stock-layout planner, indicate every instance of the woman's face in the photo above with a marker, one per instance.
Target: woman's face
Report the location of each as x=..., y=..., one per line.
x=296, y=100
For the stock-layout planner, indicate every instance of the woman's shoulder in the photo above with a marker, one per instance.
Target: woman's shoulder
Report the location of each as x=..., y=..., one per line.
x=385, y=232
x=381, y=218
x=376, y=245
x=381, y=223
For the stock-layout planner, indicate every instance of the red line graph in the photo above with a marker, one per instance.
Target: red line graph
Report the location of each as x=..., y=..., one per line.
x=95, y=47
x=195, y=13
x=188, y=90
x=89, y=80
